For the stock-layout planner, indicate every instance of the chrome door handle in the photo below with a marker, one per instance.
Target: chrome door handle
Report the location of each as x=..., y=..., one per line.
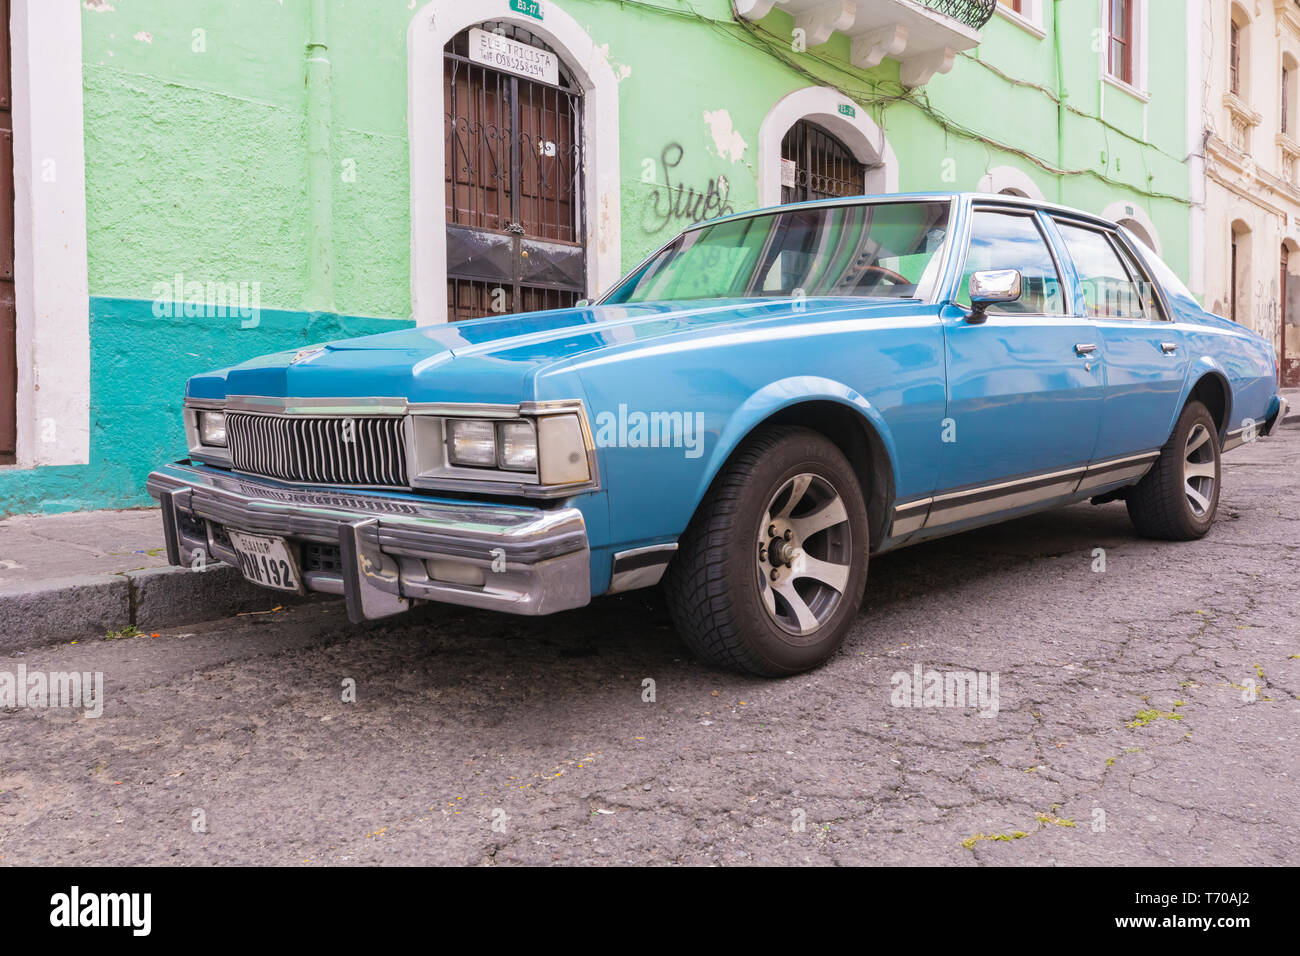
x=1169, y=348
x=1085, y=348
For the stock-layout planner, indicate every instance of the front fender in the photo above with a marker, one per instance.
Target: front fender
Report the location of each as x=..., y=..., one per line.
x=782, y=394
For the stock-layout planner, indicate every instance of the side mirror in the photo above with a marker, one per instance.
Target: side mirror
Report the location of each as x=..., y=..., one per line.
x=990, y=288
x=582, y=303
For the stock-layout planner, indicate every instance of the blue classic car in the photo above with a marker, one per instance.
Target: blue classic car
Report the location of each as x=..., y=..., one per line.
x=761, y=405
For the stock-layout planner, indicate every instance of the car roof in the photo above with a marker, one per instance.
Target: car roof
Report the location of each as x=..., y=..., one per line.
x=998, y=198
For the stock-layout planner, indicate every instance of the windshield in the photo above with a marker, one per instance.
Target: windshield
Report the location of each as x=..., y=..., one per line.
x=889, y=249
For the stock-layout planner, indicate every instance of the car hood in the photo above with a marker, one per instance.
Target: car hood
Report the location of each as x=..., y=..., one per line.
x=499, y=359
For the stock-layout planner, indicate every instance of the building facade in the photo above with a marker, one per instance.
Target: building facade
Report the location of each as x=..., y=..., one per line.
x=1251, y=134
x=197, y=183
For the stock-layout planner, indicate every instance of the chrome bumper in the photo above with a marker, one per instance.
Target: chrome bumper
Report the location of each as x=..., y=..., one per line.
x=381, y=552
x=1279, y=418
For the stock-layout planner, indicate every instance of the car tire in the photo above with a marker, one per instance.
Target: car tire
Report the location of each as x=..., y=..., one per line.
x=1178, y=498
x=766, y=580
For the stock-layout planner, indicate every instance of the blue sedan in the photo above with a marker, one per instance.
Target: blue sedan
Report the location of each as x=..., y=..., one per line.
x=757, y=409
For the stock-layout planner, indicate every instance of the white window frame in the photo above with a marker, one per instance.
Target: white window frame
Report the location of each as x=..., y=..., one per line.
x=1030, y=19
x=1139, y=88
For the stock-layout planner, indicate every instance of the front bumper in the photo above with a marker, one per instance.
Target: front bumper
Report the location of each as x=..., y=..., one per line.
x=381, y=552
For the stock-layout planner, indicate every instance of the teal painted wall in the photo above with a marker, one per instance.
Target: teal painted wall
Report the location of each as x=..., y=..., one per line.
x=198, y=163
x=139, y=364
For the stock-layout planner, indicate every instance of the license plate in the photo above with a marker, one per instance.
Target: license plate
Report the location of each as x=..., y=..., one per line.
x=265, y=560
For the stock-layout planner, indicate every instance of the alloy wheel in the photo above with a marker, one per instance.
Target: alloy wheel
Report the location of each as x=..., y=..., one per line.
x=1199, y=470
x=804, y=554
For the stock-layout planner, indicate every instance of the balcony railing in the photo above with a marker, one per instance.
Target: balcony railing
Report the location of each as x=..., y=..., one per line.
x=973, y=13
x=924, y=36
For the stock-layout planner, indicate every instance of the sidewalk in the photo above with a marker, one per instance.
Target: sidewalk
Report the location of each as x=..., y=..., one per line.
x=79, y=575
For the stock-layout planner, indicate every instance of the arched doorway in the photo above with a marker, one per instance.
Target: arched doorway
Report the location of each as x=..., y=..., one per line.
x=513, y=175
x=587, y=72
x=824, y=119
x=1009, y=181
x=815, y=164
x=1139, y=230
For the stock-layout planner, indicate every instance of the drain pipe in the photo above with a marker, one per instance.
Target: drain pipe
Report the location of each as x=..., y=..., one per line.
x=320, y=167
x=1060, y=101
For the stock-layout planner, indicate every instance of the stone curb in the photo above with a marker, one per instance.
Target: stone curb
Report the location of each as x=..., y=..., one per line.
x=58, y=610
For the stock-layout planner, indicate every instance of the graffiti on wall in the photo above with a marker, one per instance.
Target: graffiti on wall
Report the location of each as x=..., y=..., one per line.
x=673, y=203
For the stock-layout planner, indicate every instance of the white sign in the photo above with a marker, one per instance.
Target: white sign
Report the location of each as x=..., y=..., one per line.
x=788, y=168
x=502, y=53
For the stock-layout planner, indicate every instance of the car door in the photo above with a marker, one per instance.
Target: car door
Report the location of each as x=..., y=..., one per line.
x=1025, y=386
x=1146, y=363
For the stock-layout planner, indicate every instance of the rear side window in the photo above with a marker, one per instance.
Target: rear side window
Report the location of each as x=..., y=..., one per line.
x=1001, y=240
x=1151, y=308
x=1109, y=290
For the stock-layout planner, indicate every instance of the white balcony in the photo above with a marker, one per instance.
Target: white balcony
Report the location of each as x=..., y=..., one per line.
x=923, y=40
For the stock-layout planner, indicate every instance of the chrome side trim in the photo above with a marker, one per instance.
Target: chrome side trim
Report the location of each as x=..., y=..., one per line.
x=954, y=506
x=1001, y=496
x=1107, y=472
x=910, y=516
x=1235, y=438
x=640, y=567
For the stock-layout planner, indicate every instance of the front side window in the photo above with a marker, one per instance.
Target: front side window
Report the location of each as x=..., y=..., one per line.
x=1109, y=291
x=888, y=250
x=1001, y=240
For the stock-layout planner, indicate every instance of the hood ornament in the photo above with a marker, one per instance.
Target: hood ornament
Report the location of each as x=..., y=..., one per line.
x=303, y=355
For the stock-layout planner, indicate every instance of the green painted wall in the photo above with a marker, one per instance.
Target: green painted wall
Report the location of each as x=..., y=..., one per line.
x=198, y=163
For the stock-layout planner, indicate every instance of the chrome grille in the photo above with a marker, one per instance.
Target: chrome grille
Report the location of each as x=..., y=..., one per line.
x=327, y=451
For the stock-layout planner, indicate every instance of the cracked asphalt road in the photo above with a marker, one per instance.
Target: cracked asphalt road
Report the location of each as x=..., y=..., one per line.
x=1123, y=700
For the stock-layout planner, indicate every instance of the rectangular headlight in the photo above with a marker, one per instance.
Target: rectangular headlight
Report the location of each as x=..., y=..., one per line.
x=517, y=446
x=212, y=428
x=472, y=443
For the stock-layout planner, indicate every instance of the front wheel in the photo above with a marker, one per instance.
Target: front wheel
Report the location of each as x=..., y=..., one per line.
x=769, y=576
x=1179, y=497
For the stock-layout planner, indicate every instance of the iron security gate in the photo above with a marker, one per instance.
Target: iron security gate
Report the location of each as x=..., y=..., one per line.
x=823, y=166
x=516, y=231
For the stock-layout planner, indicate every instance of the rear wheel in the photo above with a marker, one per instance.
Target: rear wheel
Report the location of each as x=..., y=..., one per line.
x=769, y=576
x=1179, y=497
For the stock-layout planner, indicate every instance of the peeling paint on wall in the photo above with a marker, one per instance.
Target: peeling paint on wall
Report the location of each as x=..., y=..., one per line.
x=727, y=141
x=621, y=70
